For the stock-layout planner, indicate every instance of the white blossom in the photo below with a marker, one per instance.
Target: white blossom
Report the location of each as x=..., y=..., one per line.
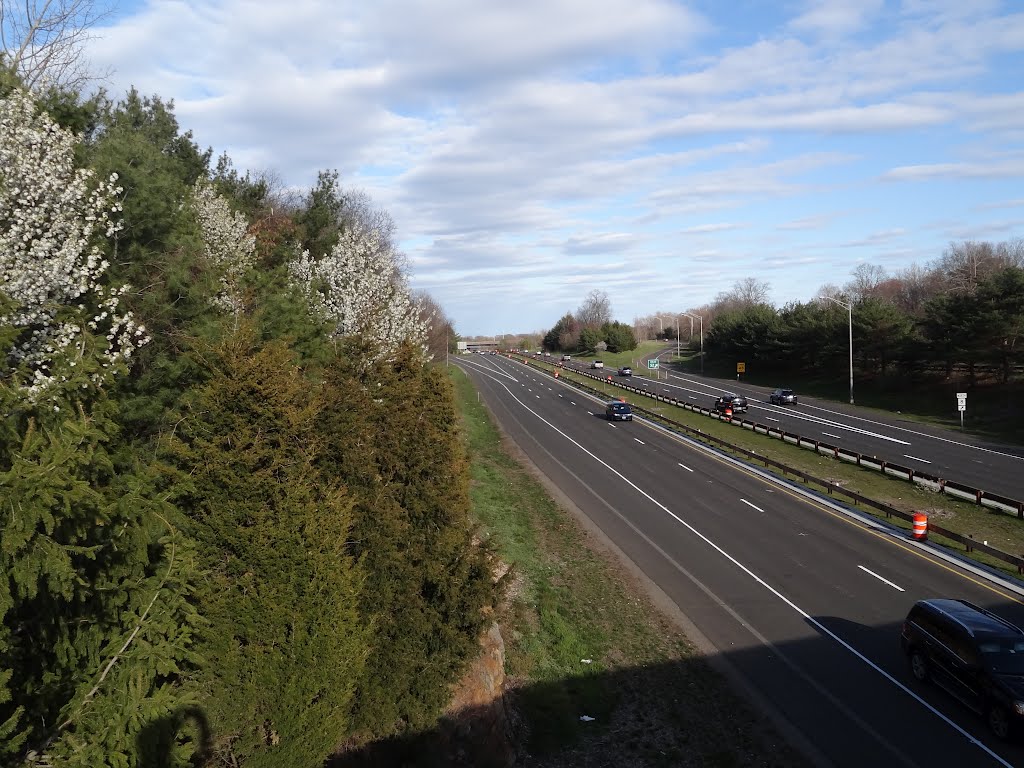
x=360, y=288
x=51, y=268
x=230, y=249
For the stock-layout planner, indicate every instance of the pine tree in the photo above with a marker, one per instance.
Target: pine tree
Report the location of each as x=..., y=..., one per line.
x=393, y=438
x=285, y=646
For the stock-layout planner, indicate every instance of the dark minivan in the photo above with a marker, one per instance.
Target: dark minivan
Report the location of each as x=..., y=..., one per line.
x=617, y=410
x=972, y=653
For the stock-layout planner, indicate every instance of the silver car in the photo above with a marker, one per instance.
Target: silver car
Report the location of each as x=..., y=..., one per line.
x=782, y=397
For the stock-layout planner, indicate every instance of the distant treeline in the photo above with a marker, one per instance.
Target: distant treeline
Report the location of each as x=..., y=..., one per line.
x=972, y=321
x=233, y=499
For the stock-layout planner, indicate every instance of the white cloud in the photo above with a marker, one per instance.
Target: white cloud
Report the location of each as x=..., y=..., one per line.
x=835, y=17
x=980, y=170
x=703, y=229
x=520, y=145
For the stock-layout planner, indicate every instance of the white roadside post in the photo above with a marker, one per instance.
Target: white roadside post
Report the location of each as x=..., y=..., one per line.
x=961, y=405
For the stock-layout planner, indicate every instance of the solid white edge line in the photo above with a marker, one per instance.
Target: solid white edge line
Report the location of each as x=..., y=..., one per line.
x=792, y=605
x=752, y=505
x=884, y=580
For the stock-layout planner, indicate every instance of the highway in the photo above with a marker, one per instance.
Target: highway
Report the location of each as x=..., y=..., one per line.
x=801, y=600
x=962, y=458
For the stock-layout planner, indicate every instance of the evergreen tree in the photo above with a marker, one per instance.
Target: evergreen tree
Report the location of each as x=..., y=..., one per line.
x=95, y=625
x=394, y=438
x=284, y=647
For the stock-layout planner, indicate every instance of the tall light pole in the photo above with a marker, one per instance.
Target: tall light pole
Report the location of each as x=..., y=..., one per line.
x=848, y=306
x=692, y=318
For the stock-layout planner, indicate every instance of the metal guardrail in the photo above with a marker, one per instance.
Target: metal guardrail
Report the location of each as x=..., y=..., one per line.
x=968, y=542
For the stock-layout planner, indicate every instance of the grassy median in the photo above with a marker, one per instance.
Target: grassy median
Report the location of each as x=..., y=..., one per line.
x=583, y=638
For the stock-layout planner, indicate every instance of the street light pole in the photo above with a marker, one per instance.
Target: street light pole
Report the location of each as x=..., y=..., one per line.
x=848, y=306
x=677, y=335
x=701, y=318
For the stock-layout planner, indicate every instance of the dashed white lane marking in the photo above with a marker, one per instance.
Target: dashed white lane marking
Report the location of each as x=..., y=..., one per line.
x=572, y=403
x=685, y=467
x=559, y=394
x=829, y=434
x=752, y=505
x=639, y=441
x=886, y=581
x=589, y=413
x=915, y=458
x=769, y=418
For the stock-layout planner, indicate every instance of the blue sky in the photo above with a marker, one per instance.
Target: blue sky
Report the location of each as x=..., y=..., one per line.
x=530, y=152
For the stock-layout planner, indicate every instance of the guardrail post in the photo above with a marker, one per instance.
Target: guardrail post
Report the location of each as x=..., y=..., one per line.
x=969, y=547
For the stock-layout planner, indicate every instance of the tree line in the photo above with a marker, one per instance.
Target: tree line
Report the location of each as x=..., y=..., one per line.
x=234, y=512
x=591, y=325
x=962, y=312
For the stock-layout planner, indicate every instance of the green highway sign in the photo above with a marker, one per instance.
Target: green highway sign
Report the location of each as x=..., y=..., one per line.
x=653, y=363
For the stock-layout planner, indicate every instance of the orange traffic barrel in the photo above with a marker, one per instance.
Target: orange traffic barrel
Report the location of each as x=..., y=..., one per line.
x=920, y=526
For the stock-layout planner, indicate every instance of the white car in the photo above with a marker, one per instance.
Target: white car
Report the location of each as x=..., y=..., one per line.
x=597, y=364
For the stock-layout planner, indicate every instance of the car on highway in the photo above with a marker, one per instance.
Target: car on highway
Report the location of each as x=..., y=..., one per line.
x=617, y=410
x=972, y=653
x=737, y=403
x=782, y=397
x=566, y=358
x=625, y=371
x=597, y=364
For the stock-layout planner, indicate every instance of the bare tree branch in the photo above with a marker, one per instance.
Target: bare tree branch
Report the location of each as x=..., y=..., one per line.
x=43, y=41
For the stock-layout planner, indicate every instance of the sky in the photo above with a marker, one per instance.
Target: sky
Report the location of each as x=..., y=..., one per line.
x=660, y=151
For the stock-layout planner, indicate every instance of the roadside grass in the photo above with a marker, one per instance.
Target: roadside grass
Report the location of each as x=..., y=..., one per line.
x=999, y=529
x=656, y=701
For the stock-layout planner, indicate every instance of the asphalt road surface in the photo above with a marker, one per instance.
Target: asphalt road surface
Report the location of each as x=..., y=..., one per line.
x=802, y=600
x=950, y=455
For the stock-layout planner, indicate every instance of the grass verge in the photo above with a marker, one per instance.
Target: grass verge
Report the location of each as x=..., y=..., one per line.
x=655, y=699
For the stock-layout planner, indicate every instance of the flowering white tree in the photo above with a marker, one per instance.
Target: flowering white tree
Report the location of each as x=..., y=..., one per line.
x=361, y=288
x=52, y=214
x=230, y=249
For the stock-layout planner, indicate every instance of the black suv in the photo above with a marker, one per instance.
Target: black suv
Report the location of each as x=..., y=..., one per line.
x=782, y=397
x=737, y=403
x=972, y=653
x=617, y=410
